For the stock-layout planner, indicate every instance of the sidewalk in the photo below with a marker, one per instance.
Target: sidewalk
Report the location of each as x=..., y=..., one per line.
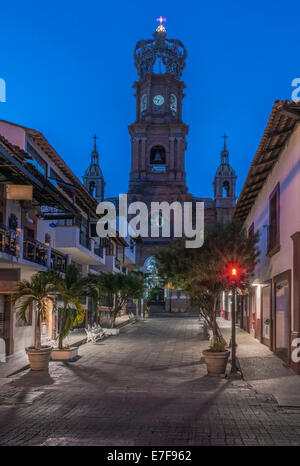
x=262, y=369
x=19, y=361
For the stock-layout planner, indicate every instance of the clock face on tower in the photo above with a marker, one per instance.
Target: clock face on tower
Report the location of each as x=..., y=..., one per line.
x=158, y=100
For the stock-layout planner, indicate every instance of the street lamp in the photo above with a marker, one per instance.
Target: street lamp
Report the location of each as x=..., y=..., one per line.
x=234, y=276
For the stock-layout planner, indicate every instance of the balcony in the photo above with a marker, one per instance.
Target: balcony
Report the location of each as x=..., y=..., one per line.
x=58, y=261
x=8, y=240
x=84, y=240
x=71, y=240
x=34, y=251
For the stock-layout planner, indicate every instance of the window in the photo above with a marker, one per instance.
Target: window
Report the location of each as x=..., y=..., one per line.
x=93, y=231
x=274, y=222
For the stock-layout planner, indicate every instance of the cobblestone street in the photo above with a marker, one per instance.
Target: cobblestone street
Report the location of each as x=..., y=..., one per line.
x=147, y=386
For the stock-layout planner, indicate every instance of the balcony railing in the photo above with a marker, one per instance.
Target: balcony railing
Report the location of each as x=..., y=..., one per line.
x=58, y=261
x=99, y=251
x=34, y=251
x=8, y=240
x=84, y=240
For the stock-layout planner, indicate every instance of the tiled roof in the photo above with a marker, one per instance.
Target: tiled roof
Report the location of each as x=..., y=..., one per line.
x=83, y=195
x=282, y=121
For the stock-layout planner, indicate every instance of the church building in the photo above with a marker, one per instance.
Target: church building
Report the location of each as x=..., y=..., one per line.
x=158, y=142
x=158, y=138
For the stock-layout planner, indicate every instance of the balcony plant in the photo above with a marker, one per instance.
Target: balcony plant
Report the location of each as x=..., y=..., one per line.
x=39, y=290
x=200, y=273
x=120, y=288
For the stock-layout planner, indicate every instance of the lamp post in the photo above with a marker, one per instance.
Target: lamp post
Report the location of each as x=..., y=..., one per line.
x=234, y=277
x=233, y=336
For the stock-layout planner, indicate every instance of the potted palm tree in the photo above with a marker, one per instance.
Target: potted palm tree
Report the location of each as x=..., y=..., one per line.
x=200, y=273
x=70, y=288
x=37, y=291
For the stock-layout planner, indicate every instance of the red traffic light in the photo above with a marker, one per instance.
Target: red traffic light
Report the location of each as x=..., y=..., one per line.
x=233, y=273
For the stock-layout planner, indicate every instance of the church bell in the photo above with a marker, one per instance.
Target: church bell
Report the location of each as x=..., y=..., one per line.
x=157, y=157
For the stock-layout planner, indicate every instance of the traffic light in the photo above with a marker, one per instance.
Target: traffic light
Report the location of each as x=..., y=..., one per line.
x=233, y=273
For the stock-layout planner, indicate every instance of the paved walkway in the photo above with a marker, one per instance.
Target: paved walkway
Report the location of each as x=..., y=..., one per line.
x=147, y=386
x=265, y=371
x=17, y=362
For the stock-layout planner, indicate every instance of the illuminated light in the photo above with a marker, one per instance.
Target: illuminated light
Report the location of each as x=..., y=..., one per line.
x=233, y=272
x=160, y=27
x=161, y=20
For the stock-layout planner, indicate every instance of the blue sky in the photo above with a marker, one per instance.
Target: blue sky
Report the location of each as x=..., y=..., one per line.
x=69, y=71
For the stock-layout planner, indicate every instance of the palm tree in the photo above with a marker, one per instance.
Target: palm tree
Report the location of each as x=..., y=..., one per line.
x=120, y=288
x=72, y=288
x=39, y=289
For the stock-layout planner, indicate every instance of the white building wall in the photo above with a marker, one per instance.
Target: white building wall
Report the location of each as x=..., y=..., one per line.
x=287, y=172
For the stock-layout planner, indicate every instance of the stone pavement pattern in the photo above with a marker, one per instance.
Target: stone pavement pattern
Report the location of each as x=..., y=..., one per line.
x=147, y=386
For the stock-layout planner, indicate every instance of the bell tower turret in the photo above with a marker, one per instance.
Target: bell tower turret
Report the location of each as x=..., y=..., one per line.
x=158, y=135
x=93, y=178
x=224, y=186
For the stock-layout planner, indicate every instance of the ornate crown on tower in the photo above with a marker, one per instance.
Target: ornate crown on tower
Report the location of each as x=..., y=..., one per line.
x=171, y=53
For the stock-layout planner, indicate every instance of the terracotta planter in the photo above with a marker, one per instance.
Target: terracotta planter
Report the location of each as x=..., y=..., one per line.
x=65, y=354
x=39, y=359
x=216, y=362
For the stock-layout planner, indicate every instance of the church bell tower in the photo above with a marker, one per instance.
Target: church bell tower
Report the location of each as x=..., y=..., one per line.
x=158, y=136
x=93, y=178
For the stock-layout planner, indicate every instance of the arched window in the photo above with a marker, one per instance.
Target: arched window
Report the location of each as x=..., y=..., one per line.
x=158, y=156
x=92, y=186
x=226, y=189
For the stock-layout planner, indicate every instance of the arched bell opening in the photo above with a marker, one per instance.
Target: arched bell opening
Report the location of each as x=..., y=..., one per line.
x=226, y=189
x=158, y=159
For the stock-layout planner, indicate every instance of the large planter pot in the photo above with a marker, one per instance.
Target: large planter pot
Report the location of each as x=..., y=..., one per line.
x=39, y=358
x=65, y=354
x=216, y=362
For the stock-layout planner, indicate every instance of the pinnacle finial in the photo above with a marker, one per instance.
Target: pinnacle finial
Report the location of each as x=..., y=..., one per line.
x=224, y=153
x=95, y=141
x=161, y=28
x=94, y=155
x=224, y=137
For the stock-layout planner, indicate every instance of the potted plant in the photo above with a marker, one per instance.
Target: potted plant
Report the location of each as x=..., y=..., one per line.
x=70, y=288
x=200, y=273
x=39, y=290
x=216, y=358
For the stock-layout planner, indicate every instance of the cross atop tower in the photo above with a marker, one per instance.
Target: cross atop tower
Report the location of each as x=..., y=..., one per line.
x=224, y=137
x=161, y=21
x=95, y=140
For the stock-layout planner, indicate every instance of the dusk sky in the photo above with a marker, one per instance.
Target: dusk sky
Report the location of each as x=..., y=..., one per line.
x=69, y=71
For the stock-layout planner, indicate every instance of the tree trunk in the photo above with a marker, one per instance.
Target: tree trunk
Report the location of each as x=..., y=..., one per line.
x=61, y=327
x=215, y=327
x=37, y=343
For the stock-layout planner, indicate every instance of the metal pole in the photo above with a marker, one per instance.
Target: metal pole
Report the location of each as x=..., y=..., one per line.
x=233, y=339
